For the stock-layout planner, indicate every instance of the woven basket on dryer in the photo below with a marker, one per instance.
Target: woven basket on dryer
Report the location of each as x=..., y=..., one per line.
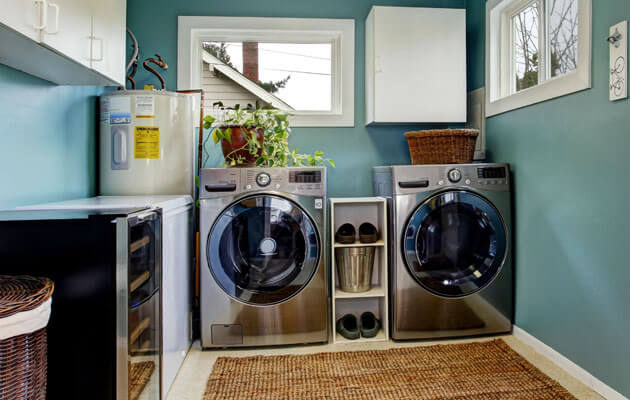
x=442, y=146
x=24, y=313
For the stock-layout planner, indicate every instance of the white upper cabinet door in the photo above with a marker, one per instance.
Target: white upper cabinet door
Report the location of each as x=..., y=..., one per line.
x=108, y=39
x=68, y=29
x=24, y=16
x=415, y=65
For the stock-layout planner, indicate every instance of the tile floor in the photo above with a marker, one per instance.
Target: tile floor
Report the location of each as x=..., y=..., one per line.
x=191, y=380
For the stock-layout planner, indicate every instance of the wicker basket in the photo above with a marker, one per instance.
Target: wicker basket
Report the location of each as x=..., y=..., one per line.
x=442, y=146
x=23, y=358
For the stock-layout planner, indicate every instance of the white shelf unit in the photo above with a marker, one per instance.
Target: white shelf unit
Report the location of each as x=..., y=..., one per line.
x=356, y=211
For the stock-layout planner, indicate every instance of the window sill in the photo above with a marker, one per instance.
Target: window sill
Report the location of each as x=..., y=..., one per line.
x=570, y=83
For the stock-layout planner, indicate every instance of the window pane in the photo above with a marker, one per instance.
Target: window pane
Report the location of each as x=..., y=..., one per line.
x=563, y=35
x=295, y=76
x=525, y=46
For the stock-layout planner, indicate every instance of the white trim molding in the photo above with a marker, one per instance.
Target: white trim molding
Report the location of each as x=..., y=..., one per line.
x=192, y=31
x=569, y=366
x=499, y=97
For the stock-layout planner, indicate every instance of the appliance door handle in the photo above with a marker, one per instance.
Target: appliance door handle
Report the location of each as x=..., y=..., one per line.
x=228, y=187
x=143, y=216
x=421, y=183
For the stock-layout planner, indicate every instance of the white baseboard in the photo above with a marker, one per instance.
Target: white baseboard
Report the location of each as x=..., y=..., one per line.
x=569, y=366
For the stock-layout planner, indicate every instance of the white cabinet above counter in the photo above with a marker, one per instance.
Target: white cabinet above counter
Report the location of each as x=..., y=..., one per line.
x=415, y=65
x=68, y=42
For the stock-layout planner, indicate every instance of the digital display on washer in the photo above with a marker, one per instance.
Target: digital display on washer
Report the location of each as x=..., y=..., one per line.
x=491, y=173
x=305, y=177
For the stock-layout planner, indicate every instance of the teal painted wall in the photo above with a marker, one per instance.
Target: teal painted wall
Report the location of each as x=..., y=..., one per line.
x=47, y=140
x=355, y=150
x=569, y=158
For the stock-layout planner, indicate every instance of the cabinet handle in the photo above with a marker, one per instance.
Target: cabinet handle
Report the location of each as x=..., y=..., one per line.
x=43, y=15
x=97, y=39
x=56, y=7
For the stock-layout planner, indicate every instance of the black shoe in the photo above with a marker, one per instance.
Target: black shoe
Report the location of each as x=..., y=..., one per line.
x=346, y=234
x=368, y=233
x=369, y=325
x=348, y=327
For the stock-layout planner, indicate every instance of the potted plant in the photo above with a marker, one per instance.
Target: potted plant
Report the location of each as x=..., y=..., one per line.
x=255, y=136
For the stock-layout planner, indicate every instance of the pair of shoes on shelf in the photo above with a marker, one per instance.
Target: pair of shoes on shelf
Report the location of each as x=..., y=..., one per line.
x=367, y=326
x=346, y=234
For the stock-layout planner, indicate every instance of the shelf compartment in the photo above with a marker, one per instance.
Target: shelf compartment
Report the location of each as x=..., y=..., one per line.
x=375, y=291
x=380, y=337
x=378, y=243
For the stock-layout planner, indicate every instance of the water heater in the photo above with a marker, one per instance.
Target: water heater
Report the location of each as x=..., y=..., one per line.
x=146, y=142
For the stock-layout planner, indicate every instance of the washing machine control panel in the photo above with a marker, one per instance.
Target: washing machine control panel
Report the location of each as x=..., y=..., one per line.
x=410, y=179
x=225, y=182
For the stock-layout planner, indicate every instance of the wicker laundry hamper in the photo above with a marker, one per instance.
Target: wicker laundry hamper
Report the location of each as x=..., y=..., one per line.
x=442, y=146
x=24, y=313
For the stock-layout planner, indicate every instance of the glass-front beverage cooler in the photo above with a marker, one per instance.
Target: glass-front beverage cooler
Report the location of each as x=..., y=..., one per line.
x=138, y=278
x=105, y=329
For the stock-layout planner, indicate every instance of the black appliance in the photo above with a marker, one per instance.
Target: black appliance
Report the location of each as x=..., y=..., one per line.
x=105, y=324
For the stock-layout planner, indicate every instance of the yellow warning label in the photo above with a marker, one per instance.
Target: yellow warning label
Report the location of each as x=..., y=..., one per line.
x=146, y=142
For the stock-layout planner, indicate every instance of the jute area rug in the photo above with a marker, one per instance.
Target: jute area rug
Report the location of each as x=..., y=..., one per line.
x=139, y=376
x=480, y=370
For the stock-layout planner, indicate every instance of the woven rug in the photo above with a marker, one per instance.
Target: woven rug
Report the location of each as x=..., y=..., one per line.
x=481, y=370
x=139, y=375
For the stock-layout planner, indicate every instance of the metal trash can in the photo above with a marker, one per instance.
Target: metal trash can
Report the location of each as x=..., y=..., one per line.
x=354, y=268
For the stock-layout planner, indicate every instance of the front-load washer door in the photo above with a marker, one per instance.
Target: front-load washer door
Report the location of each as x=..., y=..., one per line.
x=455, y=243
x=263, y=249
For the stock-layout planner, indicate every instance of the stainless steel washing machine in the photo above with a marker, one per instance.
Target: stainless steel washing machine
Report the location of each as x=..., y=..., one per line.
x=263, y=265
x=451, y=264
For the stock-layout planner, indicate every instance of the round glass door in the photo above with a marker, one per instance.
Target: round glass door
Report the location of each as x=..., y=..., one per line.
x=455, y=243
x=263, y=249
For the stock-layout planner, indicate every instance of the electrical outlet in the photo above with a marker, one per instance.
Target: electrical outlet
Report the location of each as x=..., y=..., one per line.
x=618, y=45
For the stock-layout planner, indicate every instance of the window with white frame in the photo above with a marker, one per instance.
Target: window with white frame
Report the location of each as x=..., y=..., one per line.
x=535, y=50
x=303, y=66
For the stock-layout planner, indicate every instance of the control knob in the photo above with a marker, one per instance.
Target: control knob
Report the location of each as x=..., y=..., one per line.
x=454, y=175
x=263, y=179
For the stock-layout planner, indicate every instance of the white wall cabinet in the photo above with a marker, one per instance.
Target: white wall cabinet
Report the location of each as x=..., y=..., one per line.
x=415, y=65
x=68, y=42
x=108, y=39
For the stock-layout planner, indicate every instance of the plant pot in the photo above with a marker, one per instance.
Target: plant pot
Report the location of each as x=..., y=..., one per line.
x=231, y=150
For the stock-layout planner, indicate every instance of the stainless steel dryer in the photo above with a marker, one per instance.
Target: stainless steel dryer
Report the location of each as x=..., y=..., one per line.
x=451, y=264
x=263, y=268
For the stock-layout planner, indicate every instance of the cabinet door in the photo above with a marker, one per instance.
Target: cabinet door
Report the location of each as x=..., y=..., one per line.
x=68, y=30
x=24, y=16
x=419, y=65
x=108, y=42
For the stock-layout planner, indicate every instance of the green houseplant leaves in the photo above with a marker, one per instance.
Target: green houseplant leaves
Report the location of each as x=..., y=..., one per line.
x=273, y=150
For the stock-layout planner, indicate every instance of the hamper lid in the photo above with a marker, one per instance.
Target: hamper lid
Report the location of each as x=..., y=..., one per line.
x=23, y=293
